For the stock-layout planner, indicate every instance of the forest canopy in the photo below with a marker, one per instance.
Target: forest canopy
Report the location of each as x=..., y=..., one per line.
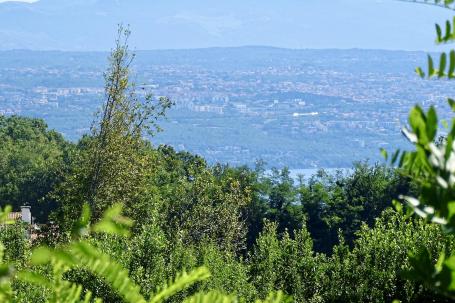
x=117, y=219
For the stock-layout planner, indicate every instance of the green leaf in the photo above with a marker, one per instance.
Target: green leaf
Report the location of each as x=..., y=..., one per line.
x=181, y=282
x=420, y=72
x=35, y=278
x=431, y=70
x=81, y=227
x=41, y=255
x=432, y=124
x=448, y=34
x=113, y=222
x=451, y=71
x=438, y=34
x=398, y=206
x=442, y=65
x=451, y=211
x=451, y=103
x=395, y=156
x=4, y=215
x=384, y=154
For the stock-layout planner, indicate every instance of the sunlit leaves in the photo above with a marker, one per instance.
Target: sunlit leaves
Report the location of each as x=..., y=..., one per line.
x=446, y=67
x=5, y=269
x=440, y=275
x=82, y=255
x=113, y=222
x=431, y=165
x=6, y=272
x=4, y=219
x=181, y=282
x=448, y=34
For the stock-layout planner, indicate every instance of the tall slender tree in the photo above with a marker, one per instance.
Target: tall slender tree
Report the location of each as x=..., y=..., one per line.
x=112, y=163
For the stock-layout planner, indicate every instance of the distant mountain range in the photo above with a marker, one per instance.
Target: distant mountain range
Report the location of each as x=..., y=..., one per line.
x=161, y=24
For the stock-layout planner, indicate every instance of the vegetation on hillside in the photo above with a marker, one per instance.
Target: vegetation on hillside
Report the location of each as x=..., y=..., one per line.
x=126, y=221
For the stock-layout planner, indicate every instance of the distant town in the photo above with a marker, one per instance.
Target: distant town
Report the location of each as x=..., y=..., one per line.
x=295, y=108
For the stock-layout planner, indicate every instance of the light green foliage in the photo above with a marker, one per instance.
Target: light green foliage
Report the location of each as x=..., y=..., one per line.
x=211, y=297
x=266, y=260
x=111, y=164
x=148, y=262
x=181, y=282
x=216, y=297
x=5, y=269
x=192, y=205
x=17, y=245
x=372, y=270
x=260, y=235
x=230, y=274
x=113, y=222
x=287, y=264
x=82, y=255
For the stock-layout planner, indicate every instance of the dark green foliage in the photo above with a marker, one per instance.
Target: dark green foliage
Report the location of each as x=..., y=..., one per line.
x=33, y=160
x=190, y=214
x=337, y=202
x=331, y=238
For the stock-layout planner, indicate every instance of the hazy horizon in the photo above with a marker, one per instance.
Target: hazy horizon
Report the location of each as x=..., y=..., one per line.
x=171, y=25
x=221, y=47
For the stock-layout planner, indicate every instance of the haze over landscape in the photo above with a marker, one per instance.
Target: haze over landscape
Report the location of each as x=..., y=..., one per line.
x=233, y=105
x=375, y=24
x=200, y=151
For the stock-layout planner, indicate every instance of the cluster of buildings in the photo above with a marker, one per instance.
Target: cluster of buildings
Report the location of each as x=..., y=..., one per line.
x=304, y=104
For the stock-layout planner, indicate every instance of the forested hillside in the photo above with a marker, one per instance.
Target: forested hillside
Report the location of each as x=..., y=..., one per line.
x=327, y=238
x=118, y=219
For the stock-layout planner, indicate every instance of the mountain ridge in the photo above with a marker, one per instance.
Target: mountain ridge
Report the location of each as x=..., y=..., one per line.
x=91, y=25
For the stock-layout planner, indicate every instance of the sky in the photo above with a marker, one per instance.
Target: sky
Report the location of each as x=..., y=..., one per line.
x=176, y=24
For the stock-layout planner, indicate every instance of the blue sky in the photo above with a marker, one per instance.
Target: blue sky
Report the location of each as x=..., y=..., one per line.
x=162, y=24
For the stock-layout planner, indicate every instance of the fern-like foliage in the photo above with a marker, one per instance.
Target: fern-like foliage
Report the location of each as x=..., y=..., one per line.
x=211, y=297
x=79, y=254
x=445, y=65
x=58, y=289
x=276, y=297
x=82, y=255
x=181, y=282
x=432, y=167
x=217, y=297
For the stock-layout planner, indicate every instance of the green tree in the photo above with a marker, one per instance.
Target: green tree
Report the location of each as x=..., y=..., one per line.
x=372, y=270
x=33, y=160
x=111, y=165
x=286, y=263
